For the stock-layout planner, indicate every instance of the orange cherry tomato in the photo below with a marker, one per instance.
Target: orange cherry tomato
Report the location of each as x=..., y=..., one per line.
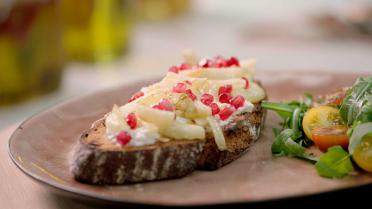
x=325, y=137
x=325, y=127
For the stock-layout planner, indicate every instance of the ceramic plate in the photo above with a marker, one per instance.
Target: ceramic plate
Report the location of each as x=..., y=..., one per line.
x=41, y=148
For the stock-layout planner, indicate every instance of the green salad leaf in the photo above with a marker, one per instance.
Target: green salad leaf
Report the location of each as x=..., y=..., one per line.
x=284, y=145
x=291, y=140
x=292, y=114
x=283, y=109
x=355, y=110
x=357, y=105
x=335, y=163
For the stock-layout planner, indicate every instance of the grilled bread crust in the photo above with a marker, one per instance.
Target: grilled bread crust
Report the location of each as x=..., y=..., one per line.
x=95, y=163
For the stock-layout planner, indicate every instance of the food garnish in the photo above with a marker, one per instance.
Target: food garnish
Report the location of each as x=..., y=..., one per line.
x=341, y=128
x=181, y=103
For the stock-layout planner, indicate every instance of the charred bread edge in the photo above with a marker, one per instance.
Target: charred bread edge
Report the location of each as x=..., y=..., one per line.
x=165, y=161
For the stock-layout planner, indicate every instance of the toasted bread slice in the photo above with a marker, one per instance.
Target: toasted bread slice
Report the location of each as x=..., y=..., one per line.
x=97, y=161
x=205, y=104
x=239, y=134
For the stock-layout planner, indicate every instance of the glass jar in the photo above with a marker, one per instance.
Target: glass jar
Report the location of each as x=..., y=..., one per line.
x=31, y=56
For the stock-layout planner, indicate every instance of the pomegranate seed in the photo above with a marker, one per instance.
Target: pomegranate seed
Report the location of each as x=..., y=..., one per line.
x=173, y=69
x=214, y=65
x=226, y=112
x=164, y=104
x=157, y=106
x=233, y=61
x=215, y=108
x=237, y=101
x=226, y=89
x=168, y=106
x=220, y=62
x=225, y=98
x=131, y=120
x=136, y=96
x=246, y=82
x=184, y=66
x=179, y=88
x=205, y=63
x=207, y=99
x=188, y=82
x=190, y=94
x=123, y=138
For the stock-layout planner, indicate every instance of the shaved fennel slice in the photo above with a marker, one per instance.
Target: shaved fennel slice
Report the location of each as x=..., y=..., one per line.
x=217, y=133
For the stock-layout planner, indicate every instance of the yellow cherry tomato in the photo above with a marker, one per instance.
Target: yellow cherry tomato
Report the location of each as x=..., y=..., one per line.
x=325, y=127
x=363, y=154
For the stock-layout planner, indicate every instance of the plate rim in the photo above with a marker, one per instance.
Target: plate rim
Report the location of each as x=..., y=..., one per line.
x=84, y=194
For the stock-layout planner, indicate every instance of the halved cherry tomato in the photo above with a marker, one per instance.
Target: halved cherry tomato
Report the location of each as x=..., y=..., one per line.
x=330, y=136
x=324, y=126
x=363, y=154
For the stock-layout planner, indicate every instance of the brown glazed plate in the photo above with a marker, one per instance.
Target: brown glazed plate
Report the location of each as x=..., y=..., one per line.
x=41, y=147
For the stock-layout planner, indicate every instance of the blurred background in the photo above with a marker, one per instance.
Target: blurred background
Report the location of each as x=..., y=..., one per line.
x=52, y=50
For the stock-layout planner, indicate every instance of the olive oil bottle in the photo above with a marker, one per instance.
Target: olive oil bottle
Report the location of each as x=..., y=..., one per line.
x=96, y=30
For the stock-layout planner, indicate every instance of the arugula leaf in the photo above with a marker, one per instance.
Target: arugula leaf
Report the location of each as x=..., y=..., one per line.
x=308, y=99
x=335, y=163
x=366, y=110
x=283, y=109
x=296, y=122
x=357, y=105
x=284, y=145
x=276, y=131
x=292, y=114
x=359, y=132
